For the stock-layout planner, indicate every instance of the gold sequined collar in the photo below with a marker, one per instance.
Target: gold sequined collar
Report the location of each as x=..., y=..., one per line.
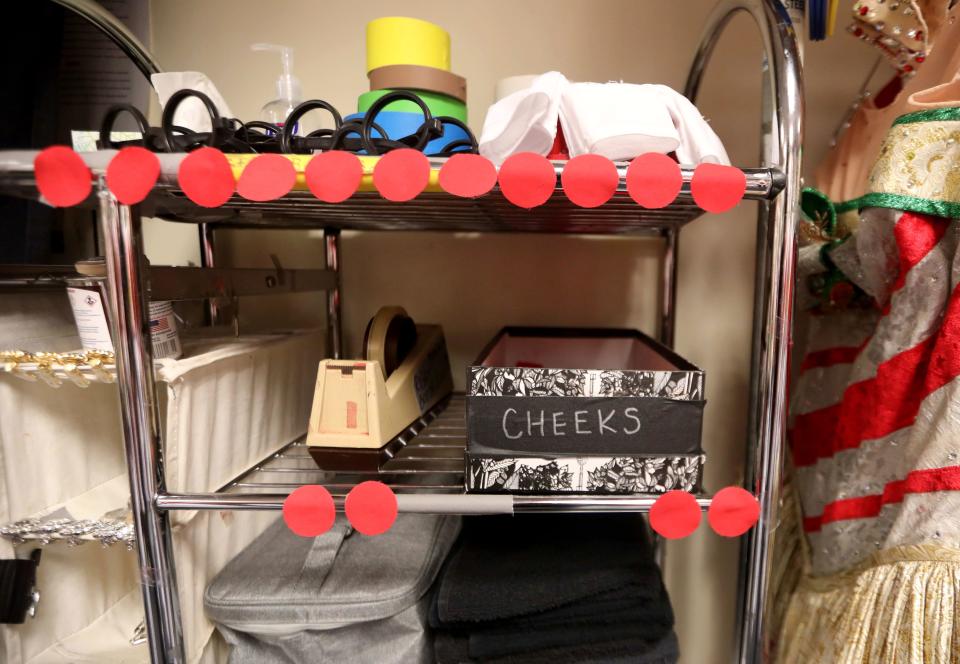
x=918, y=169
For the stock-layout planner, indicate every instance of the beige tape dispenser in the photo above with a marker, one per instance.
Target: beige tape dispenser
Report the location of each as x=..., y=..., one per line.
x=361, y=406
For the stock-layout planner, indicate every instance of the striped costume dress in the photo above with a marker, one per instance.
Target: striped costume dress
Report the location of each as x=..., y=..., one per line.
x=875, y=415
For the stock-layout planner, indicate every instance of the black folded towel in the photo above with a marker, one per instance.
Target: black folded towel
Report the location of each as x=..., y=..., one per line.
x=592, y=621
x=507, y=567
x=553, y=588
x=450, y=648
x=631, y=600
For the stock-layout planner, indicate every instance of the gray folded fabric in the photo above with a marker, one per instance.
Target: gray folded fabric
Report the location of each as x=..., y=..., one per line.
x=399, y=639
x=340, y=597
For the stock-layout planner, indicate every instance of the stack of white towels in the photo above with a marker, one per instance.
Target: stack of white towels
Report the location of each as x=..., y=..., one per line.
x=617, y=120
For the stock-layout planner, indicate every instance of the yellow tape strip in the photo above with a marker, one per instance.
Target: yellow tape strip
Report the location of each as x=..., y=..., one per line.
x=239, y=161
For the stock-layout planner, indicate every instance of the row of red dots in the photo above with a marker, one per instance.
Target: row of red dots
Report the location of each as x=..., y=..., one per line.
x=371, y=508
x=527, y=180
x=733, y=511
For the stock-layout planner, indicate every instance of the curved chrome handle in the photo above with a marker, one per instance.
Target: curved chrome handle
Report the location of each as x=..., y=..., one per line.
x=118, y=33
x=782, y=119
x=783, y=69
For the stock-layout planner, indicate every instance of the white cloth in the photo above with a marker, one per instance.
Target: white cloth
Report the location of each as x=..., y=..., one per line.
x=617, y=120
x=191, y=113
x=698, y=142
x=623, y=120
x=525, y=121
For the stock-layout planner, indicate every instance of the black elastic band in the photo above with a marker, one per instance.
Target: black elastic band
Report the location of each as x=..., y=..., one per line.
x=455, y=146
x=218, y=125
x=430, y=129
x=288, y=142
x=106, y=127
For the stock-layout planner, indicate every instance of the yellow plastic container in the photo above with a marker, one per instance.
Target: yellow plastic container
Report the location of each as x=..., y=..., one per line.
x=398, y=40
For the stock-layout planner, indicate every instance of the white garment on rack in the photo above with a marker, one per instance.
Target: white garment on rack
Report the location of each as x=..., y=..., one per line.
x=525, y=121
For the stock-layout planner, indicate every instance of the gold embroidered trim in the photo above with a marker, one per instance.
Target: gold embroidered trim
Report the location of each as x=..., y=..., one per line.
x=919, y=160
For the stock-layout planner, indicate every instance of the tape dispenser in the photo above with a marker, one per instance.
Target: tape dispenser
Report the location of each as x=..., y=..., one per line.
x=361, y=406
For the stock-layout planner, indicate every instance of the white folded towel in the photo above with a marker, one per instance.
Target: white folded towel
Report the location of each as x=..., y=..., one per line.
x=525, y=121
x=617, y=120
x=699, y=143
x=624, y=120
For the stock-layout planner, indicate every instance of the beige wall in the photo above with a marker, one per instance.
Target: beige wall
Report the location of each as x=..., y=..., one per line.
x=475, y=284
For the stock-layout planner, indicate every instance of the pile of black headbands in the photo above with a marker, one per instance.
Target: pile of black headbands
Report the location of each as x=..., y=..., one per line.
x=362, y=135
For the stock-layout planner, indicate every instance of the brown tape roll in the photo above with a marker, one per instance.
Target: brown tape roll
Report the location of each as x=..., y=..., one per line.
x=417, y=77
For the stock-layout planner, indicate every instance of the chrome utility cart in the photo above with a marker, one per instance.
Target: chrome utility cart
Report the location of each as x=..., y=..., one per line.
x=433, y=483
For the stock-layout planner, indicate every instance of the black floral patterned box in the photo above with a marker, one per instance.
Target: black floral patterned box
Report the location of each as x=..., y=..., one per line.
x=552, y=410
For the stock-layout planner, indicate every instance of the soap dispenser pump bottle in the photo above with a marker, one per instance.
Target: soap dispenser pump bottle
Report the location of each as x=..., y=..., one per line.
x=289, y=95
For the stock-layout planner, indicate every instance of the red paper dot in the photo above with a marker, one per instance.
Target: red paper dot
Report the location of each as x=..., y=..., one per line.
x=334, y=176
x=468, y=175
x=309, y=511
x=589, y=180
x=206, y=178
x=527, y=180
x=654, y=180
x=267, y=178
x=132, y=173
x=733, y=511
x=717, y=188
x=676, y=514
x=62, y=176
x=401, y=175
x=371, y=507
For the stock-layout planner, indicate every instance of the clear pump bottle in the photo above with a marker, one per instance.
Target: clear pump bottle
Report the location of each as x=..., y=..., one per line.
x=289, y=93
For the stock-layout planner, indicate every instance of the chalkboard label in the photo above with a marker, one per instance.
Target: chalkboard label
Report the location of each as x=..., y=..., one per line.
x=583, y=425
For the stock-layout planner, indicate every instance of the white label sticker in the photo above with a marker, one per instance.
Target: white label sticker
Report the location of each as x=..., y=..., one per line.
x=90, y=318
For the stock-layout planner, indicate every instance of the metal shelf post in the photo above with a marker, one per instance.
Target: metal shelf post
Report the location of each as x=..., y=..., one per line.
x=782, y=122
x=130, y=323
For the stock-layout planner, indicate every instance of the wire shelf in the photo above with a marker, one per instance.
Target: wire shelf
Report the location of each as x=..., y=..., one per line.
x=438, y=211
x=425, y=470
x=432, y=210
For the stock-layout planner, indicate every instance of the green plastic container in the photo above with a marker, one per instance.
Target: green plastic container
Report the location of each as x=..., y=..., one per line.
x=437, y=103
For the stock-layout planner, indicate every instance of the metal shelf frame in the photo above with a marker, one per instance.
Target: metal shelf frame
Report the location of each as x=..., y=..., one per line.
x=425, y=470
x=775, y=184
